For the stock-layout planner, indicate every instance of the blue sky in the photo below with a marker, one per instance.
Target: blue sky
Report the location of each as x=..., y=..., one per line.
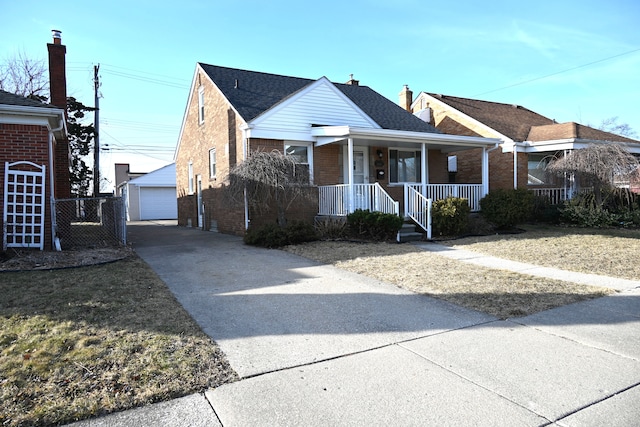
x=567, y=60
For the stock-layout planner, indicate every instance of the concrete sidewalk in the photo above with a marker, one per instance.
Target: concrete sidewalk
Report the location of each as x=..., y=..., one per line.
x=319, y=346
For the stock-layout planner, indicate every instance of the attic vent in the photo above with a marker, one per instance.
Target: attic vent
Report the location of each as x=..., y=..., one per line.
x=515, y=105
x=235, y=86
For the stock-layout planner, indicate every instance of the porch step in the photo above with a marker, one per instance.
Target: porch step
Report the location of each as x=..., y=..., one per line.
x=409, y=233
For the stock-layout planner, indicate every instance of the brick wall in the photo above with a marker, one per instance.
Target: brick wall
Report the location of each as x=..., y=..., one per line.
x=220, y=130
x=26, y=143
x=470, y=161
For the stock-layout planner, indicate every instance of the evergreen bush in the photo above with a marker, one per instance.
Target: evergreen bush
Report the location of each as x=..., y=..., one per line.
x=274, y=236
x=377, y=226
x=507, y=208
x=450, y=216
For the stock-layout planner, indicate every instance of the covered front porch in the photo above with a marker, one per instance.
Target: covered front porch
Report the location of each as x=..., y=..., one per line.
x=399, y=172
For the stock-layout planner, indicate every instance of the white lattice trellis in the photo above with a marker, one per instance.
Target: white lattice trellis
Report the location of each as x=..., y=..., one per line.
x=24, y=205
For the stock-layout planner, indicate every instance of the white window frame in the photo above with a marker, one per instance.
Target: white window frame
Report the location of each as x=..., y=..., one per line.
x=418, y=158
x=212, y=163
x=201, y=104
x=309, y=147
x=190, y=179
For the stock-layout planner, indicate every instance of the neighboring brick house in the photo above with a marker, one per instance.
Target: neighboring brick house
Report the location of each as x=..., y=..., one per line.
x=34, y=162
x=362, y=150
x=528, y=139
x=29, y=131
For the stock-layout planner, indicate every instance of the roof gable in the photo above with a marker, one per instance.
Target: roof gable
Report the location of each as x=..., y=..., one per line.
x=513, y=121
x=253, y=93
x=307, y=107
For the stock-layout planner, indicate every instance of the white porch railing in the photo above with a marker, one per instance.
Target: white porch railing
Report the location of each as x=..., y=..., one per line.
x=418, y=208
x=472, y=192
x=340, y=200
x=555, y=195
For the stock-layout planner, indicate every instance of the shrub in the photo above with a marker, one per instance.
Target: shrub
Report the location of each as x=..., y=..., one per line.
x=378, y=226
x=450, y=216
x=544, y=211
x=587, y=216
x=274, y=236
x=507, y=208
x=331, y=227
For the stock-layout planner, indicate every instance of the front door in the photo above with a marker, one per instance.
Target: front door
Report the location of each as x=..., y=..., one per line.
x=360, y=182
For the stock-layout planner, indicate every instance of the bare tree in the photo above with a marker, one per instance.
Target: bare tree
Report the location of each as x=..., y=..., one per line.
x=25, y=76
x=266, y=178
x=611, y=125
x=598, y=165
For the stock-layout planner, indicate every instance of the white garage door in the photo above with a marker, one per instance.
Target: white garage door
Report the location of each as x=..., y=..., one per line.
x=158, y=203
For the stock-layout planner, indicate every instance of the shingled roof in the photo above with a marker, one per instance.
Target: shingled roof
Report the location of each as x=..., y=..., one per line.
x=572, y=130
x=8, y=98
x=510, y=120
x=252, y=93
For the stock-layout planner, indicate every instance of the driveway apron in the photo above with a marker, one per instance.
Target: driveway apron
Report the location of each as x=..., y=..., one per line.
x=269, y=310
x=315, y=345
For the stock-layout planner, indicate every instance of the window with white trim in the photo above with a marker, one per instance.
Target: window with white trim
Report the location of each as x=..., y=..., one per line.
x=190, y=178
x=212, y=163
x=201, y=104
x=404, y=166
x=303, y=155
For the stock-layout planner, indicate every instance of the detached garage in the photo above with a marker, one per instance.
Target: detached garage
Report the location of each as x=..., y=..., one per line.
x=152, y=196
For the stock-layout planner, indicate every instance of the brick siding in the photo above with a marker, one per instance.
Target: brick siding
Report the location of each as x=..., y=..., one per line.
x=20, y=142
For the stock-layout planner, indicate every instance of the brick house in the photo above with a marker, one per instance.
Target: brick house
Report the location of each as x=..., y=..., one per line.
x=360, y=149
x=34, y=163
x=528, y=140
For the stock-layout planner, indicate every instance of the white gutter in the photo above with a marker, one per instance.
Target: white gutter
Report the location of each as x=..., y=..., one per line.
x=54, y=224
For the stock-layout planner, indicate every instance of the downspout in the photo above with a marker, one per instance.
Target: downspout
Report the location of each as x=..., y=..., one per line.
x=485, y=166
x=245, y=148
x=515, y=165
x=55, y=241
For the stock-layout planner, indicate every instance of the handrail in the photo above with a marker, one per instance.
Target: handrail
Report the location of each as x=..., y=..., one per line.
x=339, y=200
x=418, y=208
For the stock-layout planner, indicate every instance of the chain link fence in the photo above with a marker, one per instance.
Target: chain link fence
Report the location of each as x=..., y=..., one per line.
x=91, y=222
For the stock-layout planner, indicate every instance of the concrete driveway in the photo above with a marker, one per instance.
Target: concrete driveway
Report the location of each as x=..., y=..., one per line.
x=315, y=345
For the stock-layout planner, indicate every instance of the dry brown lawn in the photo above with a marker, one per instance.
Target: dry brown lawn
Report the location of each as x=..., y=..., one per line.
x=612, y=252
x=498, y=292
x=82, y=342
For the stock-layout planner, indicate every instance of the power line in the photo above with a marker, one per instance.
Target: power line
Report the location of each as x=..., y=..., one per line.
x=145, y=77
x=559, y=72
x=124, y=147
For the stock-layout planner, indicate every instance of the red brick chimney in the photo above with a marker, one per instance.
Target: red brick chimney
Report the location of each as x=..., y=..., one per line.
x=58, y=90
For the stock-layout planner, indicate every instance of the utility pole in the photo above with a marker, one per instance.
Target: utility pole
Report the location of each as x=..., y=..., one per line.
x=96, y=139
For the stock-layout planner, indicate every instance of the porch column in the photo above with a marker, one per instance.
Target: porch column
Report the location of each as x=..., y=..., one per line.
x=350, y=174
x=485, y=171
x=424, y=163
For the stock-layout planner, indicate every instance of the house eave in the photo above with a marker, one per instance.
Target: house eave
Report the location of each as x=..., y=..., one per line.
x=571, y=144
x=52, y=118
x=387, y=137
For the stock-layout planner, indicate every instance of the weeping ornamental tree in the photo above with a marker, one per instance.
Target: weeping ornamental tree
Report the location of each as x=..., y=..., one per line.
x=267, y=179
x=599, y=166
